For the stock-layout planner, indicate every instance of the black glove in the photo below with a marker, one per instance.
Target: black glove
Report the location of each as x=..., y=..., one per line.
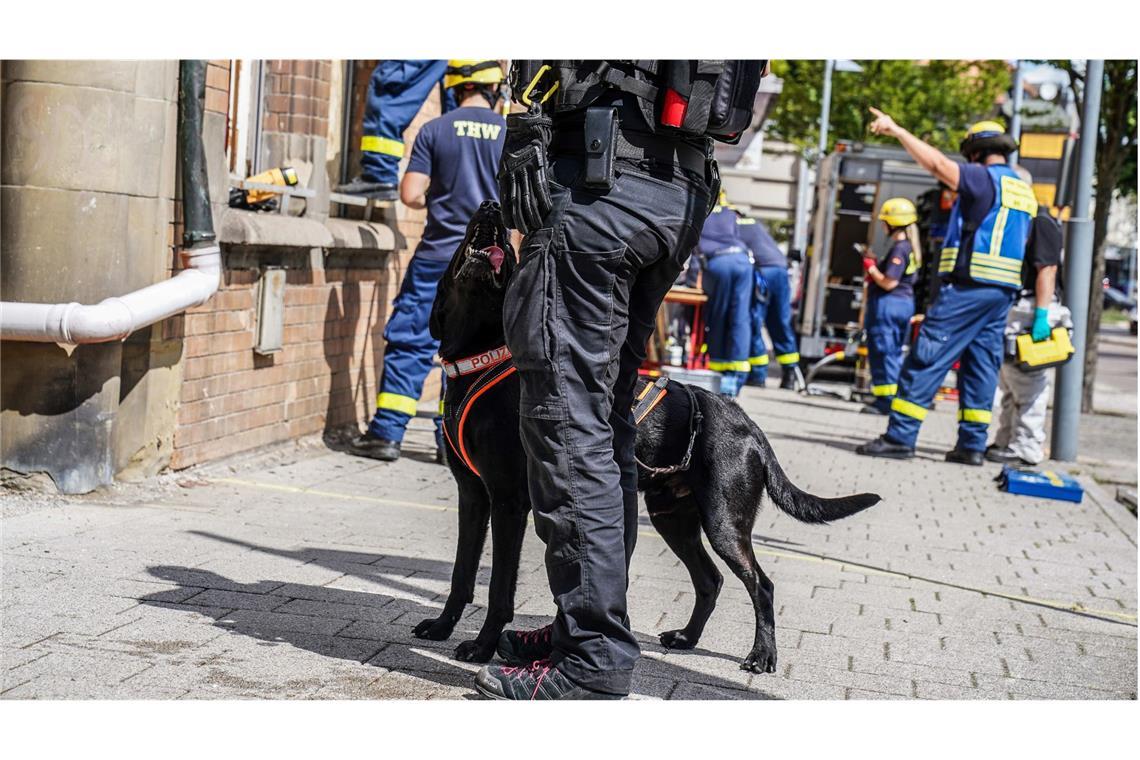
x=524, y=172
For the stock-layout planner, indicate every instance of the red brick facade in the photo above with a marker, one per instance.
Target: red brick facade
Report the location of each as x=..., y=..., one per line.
x=325, y=377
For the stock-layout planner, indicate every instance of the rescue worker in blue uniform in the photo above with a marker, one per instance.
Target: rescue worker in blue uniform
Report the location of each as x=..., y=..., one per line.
x=890, y=300
x=980, y=268
x=728, y=281
x=396, y=92
x=451, y=171
x=771, y=308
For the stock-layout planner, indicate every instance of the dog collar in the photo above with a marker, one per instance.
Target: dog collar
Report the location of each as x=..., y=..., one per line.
x=476, y=363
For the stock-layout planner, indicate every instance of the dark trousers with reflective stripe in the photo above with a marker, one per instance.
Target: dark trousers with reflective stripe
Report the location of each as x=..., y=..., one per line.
x=578, y=313
x=728, y=280
x=965, y=322
x=396, y=92
x=887, y=320
x=408, y=349
x=776, y=315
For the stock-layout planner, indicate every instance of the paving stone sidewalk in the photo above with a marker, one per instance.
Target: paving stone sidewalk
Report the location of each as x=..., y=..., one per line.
x=299, y=574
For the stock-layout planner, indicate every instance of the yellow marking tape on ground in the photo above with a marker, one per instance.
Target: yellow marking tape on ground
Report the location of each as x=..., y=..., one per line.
x=842, y=564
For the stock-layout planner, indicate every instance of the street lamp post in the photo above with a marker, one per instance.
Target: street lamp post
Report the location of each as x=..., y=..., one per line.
x=1078, y=273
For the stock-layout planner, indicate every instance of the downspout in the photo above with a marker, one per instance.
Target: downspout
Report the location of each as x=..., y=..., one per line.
x=117, y=317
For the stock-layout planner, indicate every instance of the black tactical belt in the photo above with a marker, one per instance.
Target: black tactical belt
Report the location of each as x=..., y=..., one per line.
x=636, y=146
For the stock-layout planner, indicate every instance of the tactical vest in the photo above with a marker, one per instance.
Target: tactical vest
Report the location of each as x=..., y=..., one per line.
x=691, y=98
x=997, y=247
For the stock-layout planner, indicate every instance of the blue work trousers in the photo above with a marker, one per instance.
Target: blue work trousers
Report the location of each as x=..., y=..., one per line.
x=966, y=323
x=728, y=282
x=887, y=320
x=408, y=349
x=396, y=92
x=773, y=311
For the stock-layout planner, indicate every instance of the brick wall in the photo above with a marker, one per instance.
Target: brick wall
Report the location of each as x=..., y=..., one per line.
x=324, y=380
x=297, y=99
x=234, y=400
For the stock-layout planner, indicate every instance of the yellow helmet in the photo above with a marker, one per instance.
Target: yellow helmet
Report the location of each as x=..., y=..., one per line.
x=986, y=136
x=473, y=71
x=898, y=212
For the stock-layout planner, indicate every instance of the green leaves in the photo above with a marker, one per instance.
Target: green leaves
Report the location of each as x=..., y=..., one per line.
x=936, y=100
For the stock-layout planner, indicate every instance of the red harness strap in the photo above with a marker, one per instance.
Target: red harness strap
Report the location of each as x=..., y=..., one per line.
x=486, y=382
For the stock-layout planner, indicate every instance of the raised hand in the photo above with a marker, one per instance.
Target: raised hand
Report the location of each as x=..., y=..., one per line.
x=883, y=124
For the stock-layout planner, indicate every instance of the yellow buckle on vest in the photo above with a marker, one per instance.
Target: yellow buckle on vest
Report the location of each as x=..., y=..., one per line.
x=525, y=98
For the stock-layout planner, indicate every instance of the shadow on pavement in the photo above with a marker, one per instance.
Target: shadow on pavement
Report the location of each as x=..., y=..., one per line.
x=375, y=628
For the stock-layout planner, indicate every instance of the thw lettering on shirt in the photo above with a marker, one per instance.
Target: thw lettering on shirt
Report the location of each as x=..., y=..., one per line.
x=477, y=129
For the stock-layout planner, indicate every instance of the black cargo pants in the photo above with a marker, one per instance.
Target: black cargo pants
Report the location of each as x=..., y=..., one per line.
x=578, y=313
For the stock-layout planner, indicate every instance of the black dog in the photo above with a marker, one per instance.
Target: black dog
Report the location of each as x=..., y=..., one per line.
x=703, y=464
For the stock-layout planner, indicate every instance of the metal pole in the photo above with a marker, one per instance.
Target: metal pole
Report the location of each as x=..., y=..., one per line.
x=825, y=114
x=803, y=204
x=1078, y=273
x=1015, y=121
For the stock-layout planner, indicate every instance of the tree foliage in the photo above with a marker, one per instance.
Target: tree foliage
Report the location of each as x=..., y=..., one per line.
x=936, y=100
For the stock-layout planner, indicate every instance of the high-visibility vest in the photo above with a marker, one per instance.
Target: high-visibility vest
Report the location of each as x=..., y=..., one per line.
x=997, y=247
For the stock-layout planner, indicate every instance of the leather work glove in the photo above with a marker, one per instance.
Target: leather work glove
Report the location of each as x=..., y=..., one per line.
x=1041, y=330
x=523, y=171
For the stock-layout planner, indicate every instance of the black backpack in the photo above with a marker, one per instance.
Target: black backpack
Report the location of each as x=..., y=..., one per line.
x=696, y=98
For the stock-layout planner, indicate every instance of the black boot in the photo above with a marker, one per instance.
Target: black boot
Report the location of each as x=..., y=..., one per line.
x=539, y=681
x=791, y=379
x=965, y=456
x=374, y=447
x=523, y=647
x=881, y=447
x=379, y=191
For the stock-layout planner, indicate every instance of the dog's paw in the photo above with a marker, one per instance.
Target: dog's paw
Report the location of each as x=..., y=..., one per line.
x=760, y=660
x=676, y=640
x=474, y=651
x=433, y=629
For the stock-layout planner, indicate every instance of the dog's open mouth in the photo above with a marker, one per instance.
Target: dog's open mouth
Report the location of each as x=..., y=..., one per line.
x=485, y=252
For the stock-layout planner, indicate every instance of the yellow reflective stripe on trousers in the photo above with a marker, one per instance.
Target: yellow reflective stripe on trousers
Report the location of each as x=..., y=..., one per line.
x=397, y=403
x=884, y=390
x=740, y=366
x=385, y=145
x=788, y=358
x=975, y=415
x=758, y=361
x=910, y=410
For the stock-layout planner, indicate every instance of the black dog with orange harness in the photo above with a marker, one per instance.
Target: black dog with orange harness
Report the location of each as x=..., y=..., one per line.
x=703, y=464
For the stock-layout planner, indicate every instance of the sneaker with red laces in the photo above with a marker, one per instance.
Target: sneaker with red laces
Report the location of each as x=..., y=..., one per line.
x=523, y=647
x=540, y=680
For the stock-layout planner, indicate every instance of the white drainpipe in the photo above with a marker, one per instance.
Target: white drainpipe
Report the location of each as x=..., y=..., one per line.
x=115, y=318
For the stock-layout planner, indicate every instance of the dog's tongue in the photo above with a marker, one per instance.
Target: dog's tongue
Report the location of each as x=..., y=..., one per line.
x=495, y=255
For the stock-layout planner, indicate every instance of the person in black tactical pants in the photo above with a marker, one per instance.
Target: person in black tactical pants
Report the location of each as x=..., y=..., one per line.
x=578, y=313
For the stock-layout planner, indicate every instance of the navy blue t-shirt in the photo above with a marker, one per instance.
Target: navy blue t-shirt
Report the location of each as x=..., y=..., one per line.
x=460, y=152
x=975, y=198
x=894, y=265
x=765, y=252
x=720, y=232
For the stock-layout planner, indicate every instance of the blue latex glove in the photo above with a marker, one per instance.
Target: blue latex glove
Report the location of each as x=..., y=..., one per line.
x=1041, y=330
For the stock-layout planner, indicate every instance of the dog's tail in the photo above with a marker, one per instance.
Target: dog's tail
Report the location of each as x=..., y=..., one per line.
x=801, y=505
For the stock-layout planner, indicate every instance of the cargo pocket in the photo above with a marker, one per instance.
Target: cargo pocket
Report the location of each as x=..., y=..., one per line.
x=528, y=315
x=586, y=284
x=929, y=345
